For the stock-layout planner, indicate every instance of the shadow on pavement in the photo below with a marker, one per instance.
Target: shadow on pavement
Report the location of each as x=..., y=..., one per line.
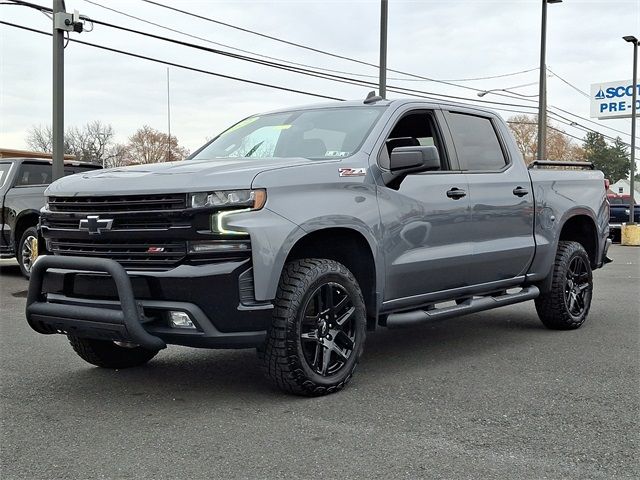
x=194, y=376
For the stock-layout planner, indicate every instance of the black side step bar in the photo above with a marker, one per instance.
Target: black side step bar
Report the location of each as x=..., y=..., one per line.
x=472, y=305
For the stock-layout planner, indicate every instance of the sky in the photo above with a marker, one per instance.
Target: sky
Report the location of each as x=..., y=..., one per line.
x=439, y=39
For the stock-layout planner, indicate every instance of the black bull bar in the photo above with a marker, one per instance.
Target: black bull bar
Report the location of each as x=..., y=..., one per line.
x=97, y=322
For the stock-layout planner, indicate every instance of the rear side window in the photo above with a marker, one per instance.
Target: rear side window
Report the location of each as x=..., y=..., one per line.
x=72, y=169
x=34, y=174
x=476, y=142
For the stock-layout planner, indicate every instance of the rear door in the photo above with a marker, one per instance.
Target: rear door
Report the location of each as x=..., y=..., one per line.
x=426, y=216
x=500, y=196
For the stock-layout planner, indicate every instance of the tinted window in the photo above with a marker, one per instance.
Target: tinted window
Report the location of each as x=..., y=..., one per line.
x=412, y=130
x=34, y=174
x=71, y=169
x=476, y=142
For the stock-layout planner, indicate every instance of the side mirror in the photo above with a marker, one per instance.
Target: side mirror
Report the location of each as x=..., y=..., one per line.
x=416, y=159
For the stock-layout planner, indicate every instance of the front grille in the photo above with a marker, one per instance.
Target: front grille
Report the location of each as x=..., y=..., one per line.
x=119, y=223
x=125, y=203
x=133, y=255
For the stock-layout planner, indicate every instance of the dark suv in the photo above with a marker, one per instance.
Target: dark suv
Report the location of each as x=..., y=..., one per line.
x=22, y=185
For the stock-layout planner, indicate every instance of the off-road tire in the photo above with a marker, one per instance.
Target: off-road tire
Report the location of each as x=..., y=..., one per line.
x=552, y=306
x=28, y=233
x=106, y=354
x=282, y=357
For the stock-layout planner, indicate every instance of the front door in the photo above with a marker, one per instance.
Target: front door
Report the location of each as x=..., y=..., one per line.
x=426, y=217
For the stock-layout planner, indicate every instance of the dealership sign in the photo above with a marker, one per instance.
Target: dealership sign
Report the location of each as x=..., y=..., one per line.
x=613, y=99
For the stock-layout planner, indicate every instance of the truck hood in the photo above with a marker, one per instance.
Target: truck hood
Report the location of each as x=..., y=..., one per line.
x=170, y=177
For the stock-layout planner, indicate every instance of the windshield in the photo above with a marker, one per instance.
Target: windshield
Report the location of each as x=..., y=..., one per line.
x=314, y=134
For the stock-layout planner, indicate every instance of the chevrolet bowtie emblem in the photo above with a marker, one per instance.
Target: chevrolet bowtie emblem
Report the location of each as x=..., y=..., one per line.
x=94, y=224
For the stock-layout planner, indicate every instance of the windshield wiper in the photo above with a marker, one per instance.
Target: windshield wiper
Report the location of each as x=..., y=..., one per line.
x=253, y=149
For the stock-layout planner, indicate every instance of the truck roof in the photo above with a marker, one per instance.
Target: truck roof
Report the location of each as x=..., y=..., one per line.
x=427, y=103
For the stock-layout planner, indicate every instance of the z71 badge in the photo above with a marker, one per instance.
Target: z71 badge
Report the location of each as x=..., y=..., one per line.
x=352, y=172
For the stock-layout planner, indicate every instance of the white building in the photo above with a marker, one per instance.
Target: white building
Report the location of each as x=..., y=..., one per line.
x=622, y=187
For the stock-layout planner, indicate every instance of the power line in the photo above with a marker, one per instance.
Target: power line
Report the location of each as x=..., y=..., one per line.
x=343, y=57
x=306, y=47
x=581, y=92
x=548, y=126
x=182, y=32
x=313, y=73
x=178, y=65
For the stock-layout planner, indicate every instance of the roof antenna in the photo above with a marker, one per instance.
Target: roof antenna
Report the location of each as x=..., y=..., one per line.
x=372, y=97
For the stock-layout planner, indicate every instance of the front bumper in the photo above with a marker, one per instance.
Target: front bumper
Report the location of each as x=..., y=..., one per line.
x=98, y=298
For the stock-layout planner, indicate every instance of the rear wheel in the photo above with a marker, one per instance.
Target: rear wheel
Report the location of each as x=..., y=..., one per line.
x=27, y=250
x=318, y=329
x=108, y=354
x=566, y=305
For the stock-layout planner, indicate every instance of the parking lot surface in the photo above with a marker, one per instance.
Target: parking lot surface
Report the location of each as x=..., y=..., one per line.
x=488, y=395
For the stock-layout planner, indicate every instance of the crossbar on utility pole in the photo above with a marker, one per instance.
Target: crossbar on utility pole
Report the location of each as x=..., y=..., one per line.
x=384, y=8
x=58, y=93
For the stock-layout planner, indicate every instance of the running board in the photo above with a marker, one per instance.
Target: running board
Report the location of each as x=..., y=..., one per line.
x=471, y=305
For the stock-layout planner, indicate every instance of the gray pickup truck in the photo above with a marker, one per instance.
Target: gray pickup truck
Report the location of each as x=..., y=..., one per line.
x=297, y=231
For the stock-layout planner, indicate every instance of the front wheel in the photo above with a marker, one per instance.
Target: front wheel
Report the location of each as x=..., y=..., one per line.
x=566, y=305
x=318, y=329
x=27, y=251
x=108, y=354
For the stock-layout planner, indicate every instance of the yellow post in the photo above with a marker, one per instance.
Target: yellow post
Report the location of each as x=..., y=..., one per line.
x=630, y=235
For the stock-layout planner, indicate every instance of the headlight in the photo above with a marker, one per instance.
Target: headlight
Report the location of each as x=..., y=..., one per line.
x=251, y=199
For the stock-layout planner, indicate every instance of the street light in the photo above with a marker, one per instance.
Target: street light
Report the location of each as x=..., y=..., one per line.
x=634, y=107
x=542, y=100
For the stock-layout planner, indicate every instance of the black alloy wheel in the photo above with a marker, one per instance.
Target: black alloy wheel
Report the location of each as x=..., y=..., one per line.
x=565, y=304
x=328, y=331
x=318, y=328
x=577, y=289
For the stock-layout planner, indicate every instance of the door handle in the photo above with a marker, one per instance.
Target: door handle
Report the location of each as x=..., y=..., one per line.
x=456, y=193
x=520, y=191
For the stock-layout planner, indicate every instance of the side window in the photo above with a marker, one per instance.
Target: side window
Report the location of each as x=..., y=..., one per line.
x=476, y=142
x=414, y=129
x=73, y=169
x=34, y=174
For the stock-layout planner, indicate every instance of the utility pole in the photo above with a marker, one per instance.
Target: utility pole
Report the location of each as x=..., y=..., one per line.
x=634, y=112
x=58, y=92
x=542, y=94
x=384, y=7
x=62, y=22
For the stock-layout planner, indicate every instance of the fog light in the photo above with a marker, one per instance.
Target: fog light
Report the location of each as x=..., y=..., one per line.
x=180, y=320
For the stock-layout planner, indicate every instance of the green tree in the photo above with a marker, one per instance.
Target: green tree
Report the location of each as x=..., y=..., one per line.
x=612, y=160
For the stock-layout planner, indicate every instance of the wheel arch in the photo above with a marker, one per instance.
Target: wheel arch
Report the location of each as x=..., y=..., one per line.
x=349, y=247
x=26, y=219
x=578, y=226
x=581, y=227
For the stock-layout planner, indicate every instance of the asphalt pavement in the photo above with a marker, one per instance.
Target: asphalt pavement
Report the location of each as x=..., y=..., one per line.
x=488, y=395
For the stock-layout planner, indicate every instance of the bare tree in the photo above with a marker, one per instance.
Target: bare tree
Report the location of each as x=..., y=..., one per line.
x=40, y=138
x=89, y=143
x=117, y=156
x=525, y=131
x=559, y=145
x=149, y=145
